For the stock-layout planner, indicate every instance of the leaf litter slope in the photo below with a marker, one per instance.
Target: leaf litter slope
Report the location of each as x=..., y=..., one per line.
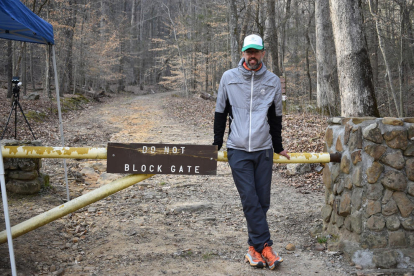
x=166, y=225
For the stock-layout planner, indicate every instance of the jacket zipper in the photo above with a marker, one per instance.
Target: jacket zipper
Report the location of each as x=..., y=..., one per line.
x=251, y=107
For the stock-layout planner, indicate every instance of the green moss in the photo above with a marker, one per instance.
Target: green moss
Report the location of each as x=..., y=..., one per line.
x=46, y=179
x=73, y=103
x=35, y=116
x=322, y=239
x=69, y=103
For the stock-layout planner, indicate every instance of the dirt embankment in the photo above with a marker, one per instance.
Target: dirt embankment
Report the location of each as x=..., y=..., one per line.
x=165, y=225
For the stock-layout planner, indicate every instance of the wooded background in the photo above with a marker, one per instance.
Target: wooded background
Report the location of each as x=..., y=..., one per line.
x=345, y=57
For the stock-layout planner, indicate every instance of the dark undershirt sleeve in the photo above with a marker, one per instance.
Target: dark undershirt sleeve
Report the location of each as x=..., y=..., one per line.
x=275, y=123
x=219, y=128
x=220, y=120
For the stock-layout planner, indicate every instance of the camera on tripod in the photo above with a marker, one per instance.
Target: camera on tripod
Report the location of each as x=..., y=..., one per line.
x=16, y=90
x=16, y=87
x=15, y=80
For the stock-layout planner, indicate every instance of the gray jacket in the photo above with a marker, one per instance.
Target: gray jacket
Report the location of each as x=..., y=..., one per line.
x=253, y=100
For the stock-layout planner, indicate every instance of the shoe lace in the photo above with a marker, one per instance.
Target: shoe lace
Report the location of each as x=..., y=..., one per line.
x=269, y=254
x=255, y=254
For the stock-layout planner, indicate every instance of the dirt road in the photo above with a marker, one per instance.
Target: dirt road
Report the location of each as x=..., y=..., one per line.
x=165, y=225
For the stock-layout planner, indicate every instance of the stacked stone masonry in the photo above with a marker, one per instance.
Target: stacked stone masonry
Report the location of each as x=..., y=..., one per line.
x=369, y=195
x=23, y=175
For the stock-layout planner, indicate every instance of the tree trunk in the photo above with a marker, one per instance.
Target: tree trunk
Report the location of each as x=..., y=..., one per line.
x=354, y=68
x=374, y=50
x=307, y=66
x=122, y=53
x=270, y=37
x=285, y=19
x=133, y=44
x=308, y=46
x=102, y=36
x=406, y=54
x=24, y=69
x=47, y=73
x=32, y=78
x=234, y=48
x=246, y=22
x=9, y=69
x=179, y=52
x=327, y=78
x=67, y=73
x=140, y=42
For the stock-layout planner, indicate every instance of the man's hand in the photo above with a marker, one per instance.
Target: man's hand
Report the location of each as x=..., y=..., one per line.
x=218, y=144
x=285, y=154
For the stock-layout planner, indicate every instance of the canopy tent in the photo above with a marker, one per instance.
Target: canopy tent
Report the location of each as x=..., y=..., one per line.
x=17, y=22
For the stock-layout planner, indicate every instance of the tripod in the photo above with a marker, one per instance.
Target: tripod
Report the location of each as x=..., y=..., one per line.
x=16, y=92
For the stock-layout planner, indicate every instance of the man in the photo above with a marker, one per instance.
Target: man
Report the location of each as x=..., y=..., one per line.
x=251, y=96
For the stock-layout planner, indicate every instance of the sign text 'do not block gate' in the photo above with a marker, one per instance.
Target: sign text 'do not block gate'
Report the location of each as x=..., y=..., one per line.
x=137, y=158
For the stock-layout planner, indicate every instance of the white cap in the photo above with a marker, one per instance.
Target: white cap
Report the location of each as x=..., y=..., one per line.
x=253, y=41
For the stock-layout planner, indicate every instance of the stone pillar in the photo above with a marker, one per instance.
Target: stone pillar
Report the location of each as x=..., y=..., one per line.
x=369, y=196
x=23, y=175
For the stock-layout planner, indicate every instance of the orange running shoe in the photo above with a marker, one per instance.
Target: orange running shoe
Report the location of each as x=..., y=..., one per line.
x=255, y=258
x=272, y=258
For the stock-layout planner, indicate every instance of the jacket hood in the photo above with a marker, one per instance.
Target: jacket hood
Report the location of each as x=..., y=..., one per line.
x=248, y=73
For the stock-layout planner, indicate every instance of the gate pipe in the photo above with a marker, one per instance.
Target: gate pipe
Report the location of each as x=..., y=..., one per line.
x=73, y=205
x=101, y=153
x=322, y=157
x=53, y=152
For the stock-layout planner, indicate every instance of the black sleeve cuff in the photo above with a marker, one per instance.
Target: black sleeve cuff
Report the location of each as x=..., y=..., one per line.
x=219, y=128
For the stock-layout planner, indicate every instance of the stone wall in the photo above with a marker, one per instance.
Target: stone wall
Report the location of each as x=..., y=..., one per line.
x=22, y=175
x=369, y=196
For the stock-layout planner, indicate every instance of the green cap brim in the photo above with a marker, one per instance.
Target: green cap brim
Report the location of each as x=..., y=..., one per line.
x=252, y=46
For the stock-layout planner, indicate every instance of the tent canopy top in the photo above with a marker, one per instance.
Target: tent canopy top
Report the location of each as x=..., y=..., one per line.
x=17, y=22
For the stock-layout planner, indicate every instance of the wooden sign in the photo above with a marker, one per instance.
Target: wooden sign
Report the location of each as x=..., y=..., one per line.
x=161, y=159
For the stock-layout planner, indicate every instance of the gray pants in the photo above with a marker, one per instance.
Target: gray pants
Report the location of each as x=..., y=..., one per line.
x=252, y=174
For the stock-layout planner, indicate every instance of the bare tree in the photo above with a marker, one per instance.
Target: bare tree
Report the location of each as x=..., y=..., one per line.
x=246, y=21
x=327, y=78
x=271, y=37
x=179, y=51
x=283, y=24
x=354, y=68
x=308, y=46
x=406, y=53
x=66, y=78
x=234, y=33
x=9, y=68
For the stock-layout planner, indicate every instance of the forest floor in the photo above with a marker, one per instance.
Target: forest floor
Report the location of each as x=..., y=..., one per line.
x=167, y=224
